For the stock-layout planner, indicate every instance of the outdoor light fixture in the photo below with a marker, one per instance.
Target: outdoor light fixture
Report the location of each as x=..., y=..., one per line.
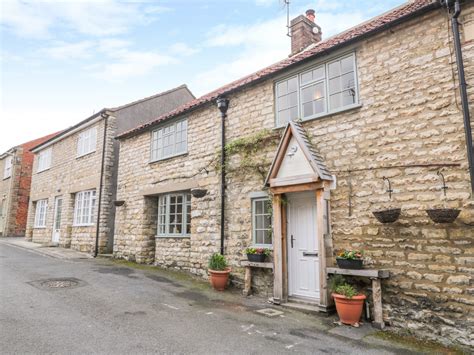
x=222, y=104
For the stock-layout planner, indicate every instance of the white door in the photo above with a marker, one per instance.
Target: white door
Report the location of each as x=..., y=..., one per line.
x=303, y=257
x=58, y=202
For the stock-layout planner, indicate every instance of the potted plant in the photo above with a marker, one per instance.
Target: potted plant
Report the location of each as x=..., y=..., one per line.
x=218, y=271
x=257, y=254
x=350, y=259
x=349, y=302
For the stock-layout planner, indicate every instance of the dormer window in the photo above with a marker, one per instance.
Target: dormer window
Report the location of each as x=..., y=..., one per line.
x=86, y=142
x=324, y=89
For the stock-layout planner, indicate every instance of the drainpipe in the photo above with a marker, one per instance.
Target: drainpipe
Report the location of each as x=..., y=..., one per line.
x=101, y=184
x=222, y=105
x=462, y=83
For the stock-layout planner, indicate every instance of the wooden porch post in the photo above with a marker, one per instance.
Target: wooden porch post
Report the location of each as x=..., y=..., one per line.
x=277, y=251
x=322, y=222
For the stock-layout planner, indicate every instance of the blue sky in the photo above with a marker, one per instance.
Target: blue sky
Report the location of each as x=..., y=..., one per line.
x=61, y=61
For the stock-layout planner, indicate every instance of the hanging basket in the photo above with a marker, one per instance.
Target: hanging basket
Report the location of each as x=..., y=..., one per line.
x=387, y=216
x=198, y=193
x=443, y=215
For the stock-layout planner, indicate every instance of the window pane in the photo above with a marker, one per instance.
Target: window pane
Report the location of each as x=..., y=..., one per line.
x=284, y=116
x=348, y=80
x=307, y=94
x=334, y=85
x=348, y=97
x=259, y=222
x=307, y=109
x=335, y=101
x=319, y=106
x=294, y=113
x=306, y=77
x=282, y=88
x=267, y=237
x=259, y=239
x=347, y=64
x=318, y=73
x=292, y=99
x=292, y=84
x=282, y=103
x=334, y=69
x=259, y=207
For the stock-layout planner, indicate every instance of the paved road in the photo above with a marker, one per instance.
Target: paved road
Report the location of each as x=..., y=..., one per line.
x=120, y=310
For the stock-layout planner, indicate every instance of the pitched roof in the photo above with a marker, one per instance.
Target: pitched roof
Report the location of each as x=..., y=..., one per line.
x=315, y=159
x=119, y=109
x=380, y=23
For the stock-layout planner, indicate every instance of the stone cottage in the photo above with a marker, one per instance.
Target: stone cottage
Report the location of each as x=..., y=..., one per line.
x=74, y=175
x=15, y=172
x=378, y=101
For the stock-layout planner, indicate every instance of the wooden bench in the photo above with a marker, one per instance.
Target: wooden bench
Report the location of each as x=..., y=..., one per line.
x=375, y=275
x=248, y=273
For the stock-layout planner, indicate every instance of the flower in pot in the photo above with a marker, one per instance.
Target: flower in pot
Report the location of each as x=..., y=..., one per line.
x=350, y=259
x=257, y=254
x=349, y=302
x=218, y=271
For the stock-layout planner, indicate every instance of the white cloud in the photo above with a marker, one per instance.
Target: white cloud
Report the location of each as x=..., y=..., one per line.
x=37, y=19
x=182, y=49
x=63, y=50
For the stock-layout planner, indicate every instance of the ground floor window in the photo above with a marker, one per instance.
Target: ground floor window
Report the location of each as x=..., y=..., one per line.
x=40, y=214
x=262, y=222
x=84, y=208
x=174, y=214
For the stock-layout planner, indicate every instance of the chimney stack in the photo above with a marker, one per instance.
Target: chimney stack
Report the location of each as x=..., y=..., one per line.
x=304, y=32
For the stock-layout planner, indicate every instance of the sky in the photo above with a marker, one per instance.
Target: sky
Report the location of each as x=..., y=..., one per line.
x=62, y=61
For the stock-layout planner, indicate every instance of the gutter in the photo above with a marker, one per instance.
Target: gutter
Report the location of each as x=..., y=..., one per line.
x=101, y=185
x=455, y=9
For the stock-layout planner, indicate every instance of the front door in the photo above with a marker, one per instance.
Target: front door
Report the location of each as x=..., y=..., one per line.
x=58, y=202
x=303, y=258
x=2, y=213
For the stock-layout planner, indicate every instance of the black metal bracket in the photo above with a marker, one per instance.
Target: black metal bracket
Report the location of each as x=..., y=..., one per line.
x=444, y=187
x=390, y=190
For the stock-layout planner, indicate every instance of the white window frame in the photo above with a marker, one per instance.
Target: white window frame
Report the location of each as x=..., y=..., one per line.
x=41, y=213
x=44, y=160
x=164, y=211
x=87, y=142
x=328, y=110
x=7, y=171
x=254, y=223
x=84, y=208
x=169, y=132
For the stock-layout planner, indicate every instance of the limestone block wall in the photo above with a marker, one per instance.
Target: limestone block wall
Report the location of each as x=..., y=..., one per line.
x=409, y=116
x=68, y=175
x=9, y=193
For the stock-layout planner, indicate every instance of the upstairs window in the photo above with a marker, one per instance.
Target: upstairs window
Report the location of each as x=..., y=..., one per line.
x=87, y=142
x=40, y=214
x=7, y=170
x=174, y=215
x=321, y=90
x=44, y=160
x=169, y=140
x=84, y=208
x=262, y=222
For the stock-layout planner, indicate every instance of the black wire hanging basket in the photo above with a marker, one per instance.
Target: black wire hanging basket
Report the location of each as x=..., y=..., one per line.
x=443, y=215
x=389, y=215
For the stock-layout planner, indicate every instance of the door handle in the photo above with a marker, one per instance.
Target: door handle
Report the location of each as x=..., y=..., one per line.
x=292, y=239
x=305, y=253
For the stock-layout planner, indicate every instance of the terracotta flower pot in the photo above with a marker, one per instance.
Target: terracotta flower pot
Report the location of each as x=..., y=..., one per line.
x=349, y=310
x=219, y=279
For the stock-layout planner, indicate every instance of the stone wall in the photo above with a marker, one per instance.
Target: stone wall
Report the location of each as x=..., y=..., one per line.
x=68, y=175
x=9, y=197
x=409, y=115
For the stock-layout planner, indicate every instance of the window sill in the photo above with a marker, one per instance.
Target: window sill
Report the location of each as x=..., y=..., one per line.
x=170, y=236
x=43, y=227
x=326, y=114
x=85, y=154
x=40, y=171
x=168, y=158
x=7, y=177
x=83, y=225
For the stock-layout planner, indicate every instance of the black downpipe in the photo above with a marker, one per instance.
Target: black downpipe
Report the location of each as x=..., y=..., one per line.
x=101, y=184
x=222, y=105
x=462, y=87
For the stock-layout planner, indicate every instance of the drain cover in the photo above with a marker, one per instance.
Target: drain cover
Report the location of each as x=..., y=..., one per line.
x=270, y=312
x=57, y=283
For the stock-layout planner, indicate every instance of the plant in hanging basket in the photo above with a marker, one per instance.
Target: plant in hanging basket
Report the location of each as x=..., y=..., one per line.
x=388, y=215
x=257, y=254
x=443, y=215
x=350, y=259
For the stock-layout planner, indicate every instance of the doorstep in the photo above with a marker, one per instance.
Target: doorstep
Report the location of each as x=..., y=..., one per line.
x=304, y=306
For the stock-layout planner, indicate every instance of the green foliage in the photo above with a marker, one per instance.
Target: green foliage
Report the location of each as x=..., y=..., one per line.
x=346, y=290
x=217, y=262
x=339, y=285
x=248, y=148
x=259, y=251
x=351, y=254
